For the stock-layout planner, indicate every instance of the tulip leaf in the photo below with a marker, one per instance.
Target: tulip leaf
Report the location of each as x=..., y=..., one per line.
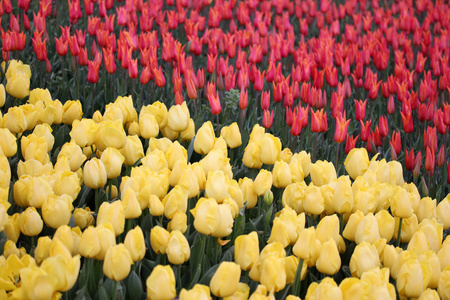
x=228, y=255
x=101, y=293
x=197, y=252
x=82, y=294
x=239, y=225
x=84, y=193
x=208, y=275
x=195, y=277
x=134, y=286
x=190, y=149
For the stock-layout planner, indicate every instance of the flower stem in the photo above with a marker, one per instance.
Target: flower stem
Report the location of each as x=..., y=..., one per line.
x=399, y=232
x=115, y=290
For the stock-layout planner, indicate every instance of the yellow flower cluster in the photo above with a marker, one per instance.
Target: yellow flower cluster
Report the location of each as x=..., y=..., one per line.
x=371, y=207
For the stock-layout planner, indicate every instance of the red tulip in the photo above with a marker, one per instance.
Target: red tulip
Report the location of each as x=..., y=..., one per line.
x=409, y=159
x=146, y=75
x=214, y=102
x=39, y=46
x=82, y=58
x=350, y=143
x=24, y=4
x=365, y=130
x=133, y=69
x=259, y=80
x=110, y=62
x=160, y=80
x=417, y=164
x=429, y=161
x=243, y=100
x=267, y=119
x=265, y=100
x=360, y=109
x=407, y=119
x=440, y=160
x=211, y=63
x=319, y=121
x=341, y=128
x=383, y=126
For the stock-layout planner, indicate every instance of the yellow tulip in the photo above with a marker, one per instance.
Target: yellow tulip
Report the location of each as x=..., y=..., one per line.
x=117, y=263
x=225, y=280
x=161, y=284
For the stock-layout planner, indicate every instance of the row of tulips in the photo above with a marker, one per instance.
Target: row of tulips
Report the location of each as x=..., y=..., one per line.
x=299, y=66
x=134, y=205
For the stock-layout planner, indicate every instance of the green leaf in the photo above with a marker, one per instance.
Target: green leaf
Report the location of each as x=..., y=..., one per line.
x=134, y=286
x=208, y=275
x=239, y=226
x=228, y=255
x=297, y=280
x=83, y=294
x=197, y=252
x=195, y=277
x=190, y=149
x=84, y=193
x=101, y=293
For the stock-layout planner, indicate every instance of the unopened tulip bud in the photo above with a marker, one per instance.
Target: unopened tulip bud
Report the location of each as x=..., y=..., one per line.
x=268, y=197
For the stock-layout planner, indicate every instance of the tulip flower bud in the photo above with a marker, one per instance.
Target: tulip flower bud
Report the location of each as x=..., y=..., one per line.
x=112, y=213
x=161, y=283
x=117, y=263
x=178, y=117
x=268, y=197
x=212, y=218
x=112, y=159
x=232, y=135
x=205, y=139
x=8, y=143
x=72, y=111
x=329, y=261
x=89, y=244
x=56, y=211
x=30, y=222
x=281, y=174
x=263, y=182
x=189, y=133
x=2, y=95
x=178, y=222
x=11, y=228
x=199, y=291
x=130, y=204
x=94, y=173
x=443, y=212
x=42, y=250
x=357, y=162
x=225, y=280
x=365, y=257
x=246, y=251
x=250, y=197
x=159, y=238
x=178, y=251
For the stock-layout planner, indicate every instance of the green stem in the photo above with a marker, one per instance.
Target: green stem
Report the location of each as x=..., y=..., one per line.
x=316, y=137
x=341, y=223
x=109, y=189
x=178, y=283
x=296, y=287
x=97, y=204
x=399, y=232
x=115, y=290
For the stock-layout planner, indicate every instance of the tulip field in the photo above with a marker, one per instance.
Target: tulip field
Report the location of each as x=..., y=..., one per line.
x=224, y=149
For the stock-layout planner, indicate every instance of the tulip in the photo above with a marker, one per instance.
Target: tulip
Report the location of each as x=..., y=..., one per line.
x=94, y=173
x=232, y=135
x=117, y=262
x=360, y=109
x=133, y=150
x=205, y=138
x=177, y=249
x=322, y=172
x=112, y=213
x=199, y=291
x=281, y=174
x=329, y=261
x=267, y=119
x=217, y=185
x=56, y=211
x=112, y=160
x=212, y=218
x=246, y=251
x=365, y=257
x=263, y=182
x=161, y=284
x=225, y=280
x=178, y=117
x=30, y=222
